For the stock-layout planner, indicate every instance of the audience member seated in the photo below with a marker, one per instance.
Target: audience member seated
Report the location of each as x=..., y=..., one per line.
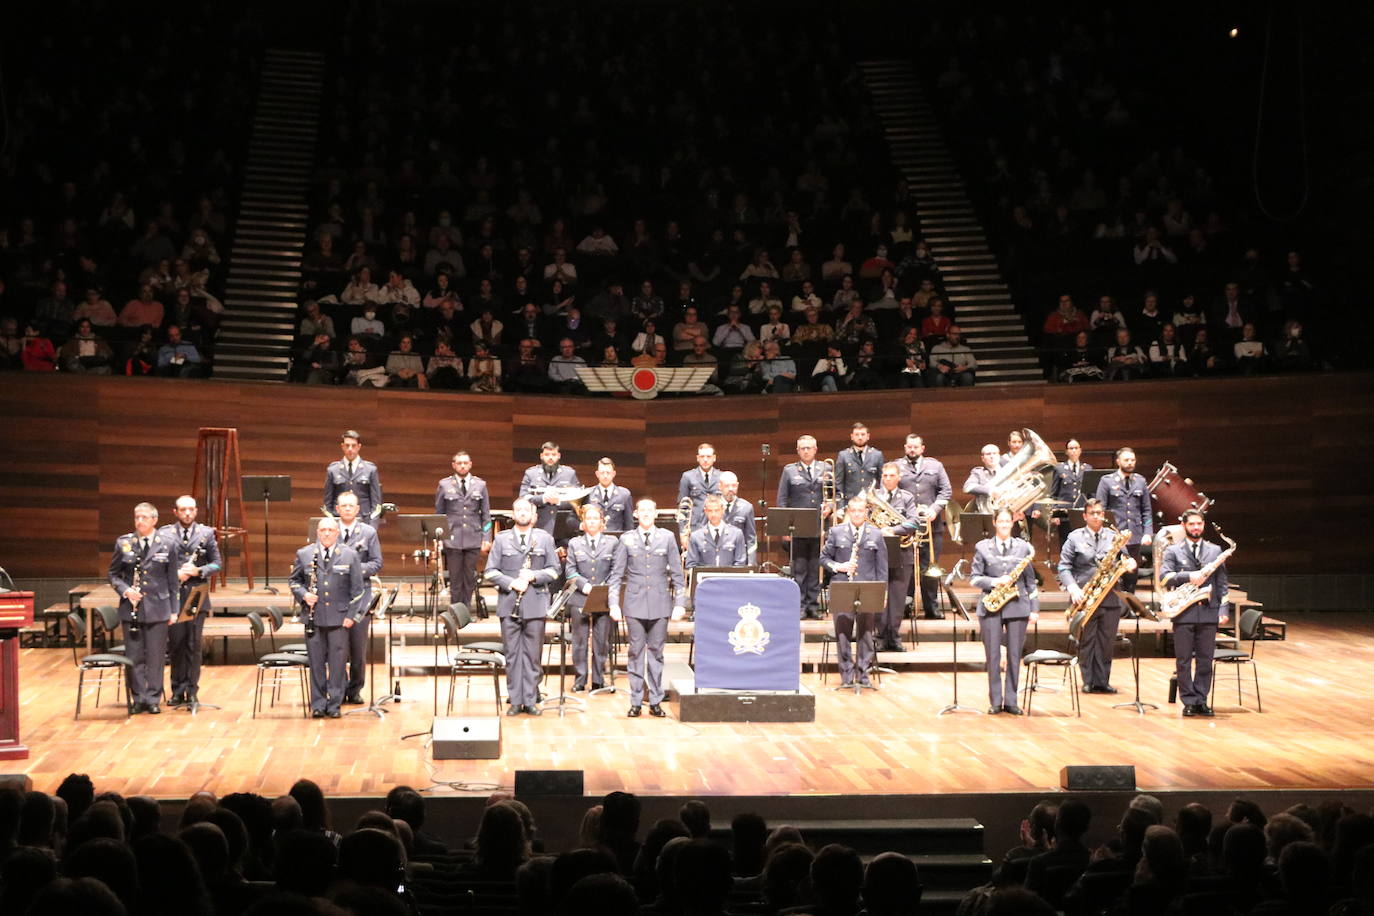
x=1168, y=357
x=1125, y=360
x=38, y=354
x=1249, y=353
x=404, y=368
x=952, y=362
x=85, y=352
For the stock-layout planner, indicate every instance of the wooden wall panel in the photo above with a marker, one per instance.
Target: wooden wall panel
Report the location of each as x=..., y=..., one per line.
x=1285, y=457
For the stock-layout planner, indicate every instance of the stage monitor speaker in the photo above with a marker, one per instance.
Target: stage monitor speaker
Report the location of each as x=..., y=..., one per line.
x=547, y=782
x=467, y=738
x=1097, y=778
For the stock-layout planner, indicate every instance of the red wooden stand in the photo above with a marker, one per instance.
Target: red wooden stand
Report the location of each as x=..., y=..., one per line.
x=16, y=611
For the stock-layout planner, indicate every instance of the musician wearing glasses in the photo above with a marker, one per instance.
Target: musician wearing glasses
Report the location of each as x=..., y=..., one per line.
x=927, y=481
x=700, y=481
x=362, y=537
x=328, y=580
x=617, y=505
x=1079, y=558
x=1195, y=629
x=858, y=467
x=1126, y=495
x=800, y=487
x=544, y=477
x=898, y=576
x=462, y=498
x=854, y=552
x=739, y=512
x=716, y=543
x=651, y=571
x=144, y=574
x=1002, y=569
x=522, y=565
x=591, y=560
x=1067, y=487
x=353, y=474
x=200, y=560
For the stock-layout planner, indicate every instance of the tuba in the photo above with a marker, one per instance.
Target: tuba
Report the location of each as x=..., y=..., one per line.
x=1017, y=485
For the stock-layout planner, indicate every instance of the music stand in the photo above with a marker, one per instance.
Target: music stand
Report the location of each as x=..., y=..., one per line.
x=272, y=488
x=598, y=602
x=959, y=611
x=861, y=598
x=1092, y=478
x=792, y=524
x=1137, y=704
x=190, y=607
x=425, y=529
x=558, y=610
x=566, y=526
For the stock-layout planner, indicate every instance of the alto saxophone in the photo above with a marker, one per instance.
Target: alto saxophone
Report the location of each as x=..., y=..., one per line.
x=996, y=599
x=1110, y=569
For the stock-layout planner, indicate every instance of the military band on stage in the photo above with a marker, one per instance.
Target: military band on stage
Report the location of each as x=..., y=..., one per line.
x=877, y=520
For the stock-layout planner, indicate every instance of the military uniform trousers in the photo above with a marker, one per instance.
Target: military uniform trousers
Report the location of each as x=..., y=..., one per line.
x=147, y=649
x=1096, y=643
x=1195, y=645
x=524, y=641
x=851, y=628
x=806, y=558
x=357, y=656
x=184, y=652
x=601, y=645
x=462, y=573
x=327, y=651
x=998, y=631
x=645, y=667
x=898, y=587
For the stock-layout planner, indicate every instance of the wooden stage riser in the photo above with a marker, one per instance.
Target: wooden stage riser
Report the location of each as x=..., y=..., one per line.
x=80, y=452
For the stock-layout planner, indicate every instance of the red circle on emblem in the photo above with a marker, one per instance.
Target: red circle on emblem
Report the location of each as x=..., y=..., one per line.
x=644, y=380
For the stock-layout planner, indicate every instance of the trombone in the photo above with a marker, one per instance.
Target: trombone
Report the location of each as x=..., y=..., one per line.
x=829, y=498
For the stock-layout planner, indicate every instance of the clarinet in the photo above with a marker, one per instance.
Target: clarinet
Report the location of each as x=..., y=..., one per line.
x=313, y=590
x=136, y=622
x=520, y=596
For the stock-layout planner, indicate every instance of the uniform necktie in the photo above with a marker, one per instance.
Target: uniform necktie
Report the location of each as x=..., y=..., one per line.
x=807, y=469
x=1006, y=546
x=646, y=539
x=464, y=484
x=185, y=538
x=715, y=537
x=522, y=542
x=706, y=478
x=593, y=543
x=1097, y=540
x=605, y=496
x=144, y=551
x=326, y=557
x=1197, y=552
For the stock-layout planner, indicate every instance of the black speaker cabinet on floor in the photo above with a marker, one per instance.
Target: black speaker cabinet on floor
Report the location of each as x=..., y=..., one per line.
x=547, y=782
x=1097, y=778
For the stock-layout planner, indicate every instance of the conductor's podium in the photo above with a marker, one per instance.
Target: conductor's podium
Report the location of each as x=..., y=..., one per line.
x=747, y=652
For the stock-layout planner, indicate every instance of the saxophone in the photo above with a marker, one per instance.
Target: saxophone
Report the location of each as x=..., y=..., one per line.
x=1188, y=594
x=996, y=599
x=1109, y=571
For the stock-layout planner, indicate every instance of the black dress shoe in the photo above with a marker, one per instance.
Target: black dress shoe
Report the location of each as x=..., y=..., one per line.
x=579, y=688
x=137, y=708
x=1189, y=711
x=895, y=647
x=317, y=713
x=177, y=699
x=634, y=712
x=656, y=711
x=1204, y=710
x=1107, y=688
x=514, y=710
x=994, y=710
x=1013, y=710
x=533, y=711
x=929, y=616
x=865, y=682
x=848, y=683
x=154, y=709
x=598, y=686
x=333, y=714
x=353, y=699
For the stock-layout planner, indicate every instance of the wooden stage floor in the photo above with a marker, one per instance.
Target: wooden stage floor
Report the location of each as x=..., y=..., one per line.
x=1316, y=732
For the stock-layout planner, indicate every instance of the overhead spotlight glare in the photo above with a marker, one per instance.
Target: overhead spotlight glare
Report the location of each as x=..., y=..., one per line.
x=1233, y=33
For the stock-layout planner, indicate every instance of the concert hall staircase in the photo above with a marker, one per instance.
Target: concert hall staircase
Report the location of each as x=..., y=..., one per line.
x=260, y=304
x=973, y=281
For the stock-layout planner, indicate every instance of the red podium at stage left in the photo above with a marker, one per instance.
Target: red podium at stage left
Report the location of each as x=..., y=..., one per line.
x=16, y=611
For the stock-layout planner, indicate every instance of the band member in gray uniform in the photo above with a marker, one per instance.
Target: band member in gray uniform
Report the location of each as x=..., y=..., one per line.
x=800, y=487
x=651, y=570
x=699, y=482
x=857, y=468
x=1067, y=486
x=539, y=478
x=925, y=479
x=143, y=573
x=591, y=561
x=979, y=482
x=899, y=576
x=866, y=563
x=522, y=566
x=1195, y=630
x=994, y=561
x=1078, y=560
x=353, y=474
x=1126, y=495
x=617, y=506
x=199, y=561
x=463, y=500
x=335, y=604
x=716, y=543
x=362, y=537
x=739, y=512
